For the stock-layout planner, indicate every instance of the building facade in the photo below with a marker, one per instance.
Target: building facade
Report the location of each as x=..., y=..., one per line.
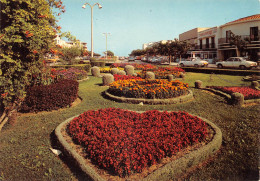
x=248, y=28
x=214, y=43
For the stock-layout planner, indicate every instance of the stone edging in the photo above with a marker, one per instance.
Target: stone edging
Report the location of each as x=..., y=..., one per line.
x=83, y=79
x=171, y=169
x=174, y=100
x=228, y=96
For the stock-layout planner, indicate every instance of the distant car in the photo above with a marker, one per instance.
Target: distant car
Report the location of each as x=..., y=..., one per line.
x=138, y=58
x=193, y=62
x=237, y=62
x=144, y=59
x=131, y=59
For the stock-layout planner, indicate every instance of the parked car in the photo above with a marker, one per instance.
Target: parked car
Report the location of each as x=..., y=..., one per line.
x=131, y=59
x=193, y=62
x=138, y=58
x=144, y=59
x=237, y=62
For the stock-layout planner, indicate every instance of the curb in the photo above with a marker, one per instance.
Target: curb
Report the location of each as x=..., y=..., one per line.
x=170, y=170
x=174, y=100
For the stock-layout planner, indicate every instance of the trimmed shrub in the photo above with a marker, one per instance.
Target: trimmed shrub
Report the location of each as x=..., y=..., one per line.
x=150, y=75
x=92, y=59
x=182, y=75
x=255, y=84
x=50, y=97
x=198, y=84
x=237, y=99
x=107, y=79
x=129, y=69
x=114, y=71
x=170, y=77
x=85, y=67
x=98, y=64
x=95, y=71
x=121, y=72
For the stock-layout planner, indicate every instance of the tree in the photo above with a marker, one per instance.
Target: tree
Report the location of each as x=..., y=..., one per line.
x=28, y=28
x=69, y=54
x=239, y=43
x=182, y=48
x=110, y=53
x=137, y=52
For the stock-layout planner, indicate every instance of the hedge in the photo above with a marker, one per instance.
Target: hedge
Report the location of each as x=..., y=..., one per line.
x=85, y=67
x=98, y=64
x=222, y=71
x=50, y=97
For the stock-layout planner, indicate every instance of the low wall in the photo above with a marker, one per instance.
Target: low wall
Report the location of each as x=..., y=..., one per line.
x=175, y=100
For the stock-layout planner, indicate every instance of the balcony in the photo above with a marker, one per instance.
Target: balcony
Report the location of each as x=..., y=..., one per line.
x=252, y=38
x=211, y=46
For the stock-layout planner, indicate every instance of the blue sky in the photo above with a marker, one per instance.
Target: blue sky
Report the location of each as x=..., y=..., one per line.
x=134, y=22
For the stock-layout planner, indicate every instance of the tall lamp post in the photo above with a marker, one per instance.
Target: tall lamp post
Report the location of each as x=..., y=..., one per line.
x=106, y=42
x=84, y=6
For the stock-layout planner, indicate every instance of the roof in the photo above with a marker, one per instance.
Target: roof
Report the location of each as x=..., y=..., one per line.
x=248, y=18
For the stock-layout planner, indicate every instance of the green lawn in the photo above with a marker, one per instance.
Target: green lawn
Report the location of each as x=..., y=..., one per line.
x=25, y=153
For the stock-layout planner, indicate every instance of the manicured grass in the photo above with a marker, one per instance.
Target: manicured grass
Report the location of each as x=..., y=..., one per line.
x=24, y=146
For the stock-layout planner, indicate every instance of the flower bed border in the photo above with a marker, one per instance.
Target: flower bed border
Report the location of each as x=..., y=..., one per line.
x=228, y=96
x=169, y=170
x=174, y=100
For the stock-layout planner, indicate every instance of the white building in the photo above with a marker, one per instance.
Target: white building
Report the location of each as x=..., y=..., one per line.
x=63, y=43
x=247, y=28
x=150, y=44
x=214, y=43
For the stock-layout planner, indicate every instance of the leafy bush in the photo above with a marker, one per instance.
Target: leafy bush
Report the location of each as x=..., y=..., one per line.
x=85, y=67
x=125, y=142
x=50, y=97
x=92, y=59
x=98, y=64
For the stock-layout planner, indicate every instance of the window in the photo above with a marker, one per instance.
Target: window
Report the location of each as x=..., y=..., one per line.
x=207, y=42
x=212, y=42
x=254, y=33
x=200, y=43
x=228, y=36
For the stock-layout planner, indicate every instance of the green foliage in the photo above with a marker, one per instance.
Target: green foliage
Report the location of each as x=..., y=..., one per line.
x=85, y=67
x=27, y=32
x=92, y=59
x=110, y=53
x=70, y=53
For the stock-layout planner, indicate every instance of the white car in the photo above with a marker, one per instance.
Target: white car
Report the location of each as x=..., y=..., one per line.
x=237, y=62
x=131, y=59
x=193, y=62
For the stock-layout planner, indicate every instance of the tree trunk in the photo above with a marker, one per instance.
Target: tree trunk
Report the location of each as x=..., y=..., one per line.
x=237, y=52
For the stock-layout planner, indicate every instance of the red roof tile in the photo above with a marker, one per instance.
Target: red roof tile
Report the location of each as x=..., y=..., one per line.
x=253, y=17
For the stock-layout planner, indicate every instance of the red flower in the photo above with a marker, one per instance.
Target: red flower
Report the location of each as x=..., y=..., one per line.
x=125, y=141
x=35, y=51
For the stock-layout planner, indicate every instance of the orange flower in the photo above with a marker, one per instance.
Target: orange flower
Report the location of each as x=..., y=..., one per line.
x=35, y=51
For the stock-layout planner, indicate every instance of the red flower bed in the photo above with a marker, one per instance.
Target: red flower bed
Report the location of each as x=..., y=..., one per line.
x=248, y=92
x=125, y=77
x=124, y=142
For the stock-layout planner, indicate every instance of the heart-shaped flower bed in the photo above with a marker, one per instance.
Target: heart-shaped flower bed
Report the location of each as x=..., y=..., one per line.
x=124, y=142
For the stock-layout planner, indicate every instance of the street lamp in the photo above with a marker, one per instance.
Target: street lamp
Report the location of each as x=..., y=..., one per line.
x=106, y=42
x=84, y=6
